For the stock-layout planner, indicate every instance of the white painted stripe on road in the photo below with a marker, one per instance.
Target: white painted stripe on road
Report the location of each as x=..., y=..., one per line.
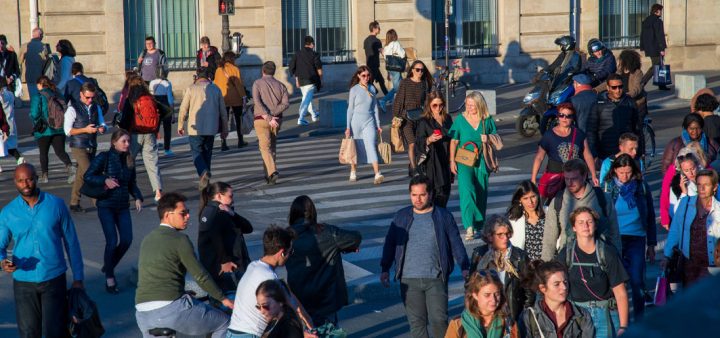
x=354, y=272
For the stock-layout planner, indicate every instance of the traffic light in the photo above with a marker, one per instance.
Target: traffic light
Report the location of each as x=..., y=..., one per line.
x=226, y=7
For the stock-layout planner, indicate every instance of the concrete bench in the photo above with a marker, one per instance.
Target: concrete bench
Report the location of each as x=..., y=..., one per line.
x=490, y=98
x=333, y=113
x=688, y=84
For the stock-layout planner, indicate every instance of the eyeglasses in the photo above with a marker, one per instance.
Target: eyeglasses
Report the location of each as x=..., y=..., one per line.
x=265, y=307
x=616, y=87
x=419, y=70
x=566, y=116
x=502, y=234
x=437, y=105
x=183, y=213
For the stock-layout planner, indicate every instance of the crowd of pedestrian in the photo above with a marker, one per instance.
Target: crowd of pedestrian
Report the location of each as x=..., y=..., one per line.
x=558, y=262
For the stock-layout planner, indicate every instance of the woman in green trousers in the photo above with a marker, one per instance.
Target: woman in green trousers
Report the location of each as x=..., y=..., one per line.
x=473, y=126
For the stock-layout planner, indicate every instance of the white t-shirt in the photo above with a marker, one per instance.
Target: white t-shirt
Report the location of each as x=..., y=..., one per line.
x=245, y=317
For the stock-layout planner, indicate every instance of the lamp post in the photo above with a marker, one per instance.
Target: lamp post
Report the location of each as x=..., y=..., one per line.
x=448, y=12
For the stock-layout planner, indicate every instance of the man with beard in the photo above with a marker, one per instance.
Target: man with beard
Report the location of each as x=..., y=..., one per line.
x=423, y=263
x=41, y=226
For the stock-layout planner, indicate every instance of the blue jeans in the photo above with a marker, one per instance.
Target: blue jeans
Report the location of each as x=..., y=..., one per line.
x=185, y=315
x=633, y=258
x=41, y=307
x=306, y=104
x=606, y=321
x=115, y=221
x=240, y=335
x=201, y=147
x=395, y=77
x=426, y=302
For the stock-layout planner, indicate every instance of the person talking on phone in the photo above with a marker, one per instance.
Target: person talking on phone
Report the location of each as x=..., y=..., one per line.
x=221, y=244
x=111, y=169
x=432, y=147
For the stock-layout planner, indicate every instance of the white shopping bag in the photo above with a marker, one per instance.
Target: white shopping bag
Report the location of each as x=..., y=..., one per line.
x=3, y=149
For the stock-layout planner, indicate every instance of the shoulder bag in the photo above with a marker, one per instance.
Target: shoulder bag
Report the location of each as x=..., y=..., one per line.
x=467, y=157
x=417, y=113
x=385, y=151
x=96, y=191
x=394, y=63
x=395, y=138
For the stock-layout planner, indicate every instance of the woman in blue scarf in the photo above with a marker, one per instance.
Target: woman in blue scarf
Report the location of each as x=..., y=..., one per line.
x=693, y=125
x=636, y=216
x=485, y=314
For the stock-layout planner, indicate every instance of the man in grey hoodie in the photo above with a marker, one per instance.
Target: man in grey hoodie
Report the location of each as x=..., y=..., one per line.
x=578, y=192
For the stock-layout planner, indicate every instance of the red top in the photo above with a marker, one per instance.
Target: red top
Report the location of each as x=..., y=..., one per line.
x=551, y=314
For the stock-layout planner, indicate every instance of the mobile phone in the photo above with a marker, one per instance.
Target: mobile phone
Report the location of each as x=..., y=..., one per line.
x=437, y=132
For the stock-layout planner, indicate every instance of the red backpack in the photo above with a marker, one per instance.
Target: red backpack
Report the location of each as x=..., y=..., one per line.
x=147, y=116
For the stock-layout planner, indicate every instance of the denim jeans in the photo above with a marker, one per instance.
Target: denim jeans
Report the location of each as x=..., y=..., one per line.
x=395, y=77
x=240, y=335
x=185, y=315
x=201, y=147
x=306, y=104
x=148, y=144
x=116, y=222
x=603, y=326
x=633, y=258
x=41, y=307
x=426, y=302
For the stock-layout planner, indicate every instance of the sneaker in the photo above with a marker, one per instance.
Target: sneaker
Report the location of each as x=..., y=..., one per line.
x=71, y=172
x=224, y=146
x=353, y=176
x=316, y=117
x=20, y=160
x=43, y=178
x=378, y=178
x=303, y=123
x=77, y=208
x=169, y=153
x=469, y=234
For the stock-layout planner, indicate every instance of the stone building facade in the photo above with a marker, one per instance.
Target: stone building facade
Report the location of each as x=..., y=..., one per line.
x=502, y=40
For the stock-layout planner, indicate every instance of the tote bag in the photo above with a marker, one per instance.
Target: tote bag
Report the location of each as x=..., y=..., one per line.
x=384, y=151
x=661, y=74
x=348, y=153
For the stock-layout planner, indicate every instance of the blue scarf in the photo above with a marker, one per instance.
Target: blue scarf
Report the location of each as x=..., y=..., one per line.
x=703, y=140
x=627, y=191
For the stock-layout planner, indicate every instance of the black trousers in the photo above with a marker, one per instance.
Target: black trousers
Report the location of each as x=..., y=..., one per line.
x=237, y=115
x=41, y=308
x=378, y=77
x=58, y=144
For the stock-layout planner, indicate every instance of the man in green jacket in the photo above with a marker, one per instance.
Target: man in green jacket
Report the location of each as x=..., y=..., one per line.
x=166, y=255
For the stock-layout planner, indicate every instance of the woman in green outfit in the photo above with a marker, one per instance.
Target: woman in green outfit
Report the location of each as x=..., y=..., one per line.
x=472, y=126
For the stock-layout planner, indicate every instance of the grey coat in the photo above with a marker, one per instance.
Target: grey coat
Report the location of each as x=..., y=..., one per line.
x=581, y=325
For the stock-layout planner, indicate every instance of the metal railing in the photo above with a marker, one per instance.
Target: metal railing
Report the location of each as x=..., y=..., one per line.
x=477, y=36
x=621, y=21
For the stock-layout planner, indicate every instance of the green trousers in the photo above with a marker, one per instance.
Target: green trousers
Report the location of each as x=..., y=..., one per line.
x=472, y=187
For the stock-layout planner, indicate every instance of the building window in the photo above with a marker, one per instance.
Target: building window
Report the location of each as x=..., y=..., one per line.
x=325, y=20
x=173, y=23
x=472, y=29
x=621, y=21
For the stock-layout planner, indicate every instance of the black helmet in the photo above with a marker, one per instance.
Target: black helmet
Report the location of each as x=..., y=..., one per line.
x=566, y=42
x=595, y=45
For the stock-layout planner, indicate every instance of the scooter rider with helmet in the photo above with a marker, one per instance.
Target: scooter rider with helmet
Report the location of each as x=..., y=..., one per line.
x=601, y=62
x=567, y=62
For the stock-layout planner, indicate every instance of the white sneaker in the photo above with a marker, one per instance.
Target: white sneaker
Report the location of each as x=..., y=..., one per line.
x=315, y=116
x=379, y=178
x=353, y=176
x=20, y=160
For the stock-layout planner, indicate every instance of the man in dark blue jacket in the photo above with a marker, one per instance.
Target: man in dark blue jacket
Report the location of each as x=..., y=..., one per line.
x=601, y=62
x=423, y=263
x=584, y=100
x=615, y=115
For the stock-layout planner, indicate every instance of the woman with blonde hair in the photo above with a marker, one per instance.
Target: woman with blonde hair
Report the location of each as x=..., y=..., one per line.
x=484, y=314
x=392, y=48
x=432, y=147
x=679, y=180
x=471, y=129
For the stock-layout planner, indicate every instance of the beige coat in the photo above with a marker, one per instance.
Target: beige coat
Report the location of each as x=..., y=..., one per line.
x=203, y=108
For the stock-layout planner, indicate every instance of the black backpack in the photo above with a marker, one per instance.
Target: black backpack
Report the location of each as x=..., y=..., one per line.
x=51, y=67
x=100, y=97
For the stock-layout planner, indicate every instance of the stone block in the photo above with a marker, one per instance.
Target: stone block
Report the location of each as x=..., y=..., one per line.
x=333, y=113
x=490, y=98
x=688, y=84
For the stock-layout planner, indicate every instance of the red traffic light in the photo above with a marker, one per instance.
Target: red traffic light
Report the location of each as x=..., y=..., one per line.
x=226, y=7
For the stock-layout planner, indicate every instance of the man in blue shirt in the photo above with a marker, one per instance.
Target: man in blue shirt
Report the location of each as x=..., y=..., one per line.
x=41, y=226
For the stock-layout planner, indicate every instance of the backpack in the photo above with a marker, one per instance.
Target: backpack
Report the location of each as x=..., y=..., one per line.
x=51, y=67
x=55, y=110
x=100, y=97
x=599, y=255
x=147, y=116
x=599, y=194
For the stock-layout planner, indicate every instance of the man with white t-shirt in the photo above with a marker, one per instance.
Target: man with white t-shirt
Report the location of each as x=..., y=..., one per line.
x=247, y=321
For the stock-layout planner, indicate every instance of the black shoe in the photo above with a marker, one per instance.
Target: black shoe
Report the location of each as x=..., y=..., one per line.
x=223, y=146
x=411, y=171
x=273, y=178
x=113, y=290
x=242, y=144
x=664, y=88
x=77, y=208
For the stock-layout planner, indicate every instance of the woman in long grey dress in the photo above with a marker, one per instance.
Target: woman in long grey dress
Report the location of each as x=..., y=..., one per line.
x=363, y=122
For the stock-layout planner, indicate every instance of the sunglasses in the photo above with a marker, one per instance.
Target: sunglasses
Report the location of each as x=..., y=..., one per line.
x=263, y=307
x=364, y=75
x=566, y=116
x=616, y=87
x=419, y=70
x=437, y=105
x=181, y=213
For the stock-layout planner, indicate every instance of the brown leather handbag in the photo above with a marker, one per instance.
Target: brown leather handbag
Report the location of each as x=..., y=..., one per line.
x=467, y=157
